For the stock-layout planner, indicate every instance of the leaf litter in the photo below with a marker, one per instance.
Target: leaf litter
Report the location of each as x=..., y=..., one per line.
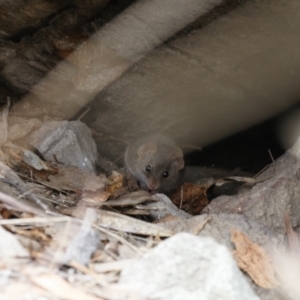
x=77, y=226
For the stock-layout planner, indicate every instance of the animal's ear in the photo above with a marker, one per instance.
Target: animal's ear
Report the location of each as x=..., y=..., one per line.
x=149, y=148
x=177, y=158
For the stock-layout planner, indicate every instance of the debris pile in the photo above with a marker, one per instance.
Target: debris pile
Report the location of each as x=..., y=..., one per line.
x=68, y=232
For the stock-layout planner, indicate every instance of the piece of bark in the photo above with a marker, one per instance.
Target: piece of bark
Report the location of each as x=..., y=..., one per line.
x=253, y=260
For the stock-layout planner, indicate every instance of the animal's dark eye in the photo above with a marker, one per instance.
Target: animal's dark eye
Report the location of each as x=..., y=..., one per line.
x=166, y=174
x=148, y=168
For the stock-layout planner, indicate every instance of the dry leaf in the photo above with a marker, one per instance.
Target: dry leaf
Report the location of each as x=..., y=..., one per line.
x=254, y=260
x=74, y=179
x=115, y=183
x=94, y=198
x=28, y=161
x=190, y=197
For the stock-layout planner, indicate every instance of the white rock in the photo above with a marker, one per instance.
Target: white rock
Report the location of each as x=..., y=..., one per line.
x=188, y=267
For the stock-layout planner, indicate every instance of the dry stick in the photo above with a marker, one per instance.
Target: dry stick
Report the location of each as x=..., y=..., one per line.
x=291, y=234
x=36, y=199
x=191, y=147
x=270, y=153
x=123, y=241
x=57, y=201
x=28, y=221
x=4, y=124
x=60, y=245
x=48, y=186
x=42, y=183
x=20, y=206
x=267, y=166
x=9, y=176
x=201, y=225
x=181, y=197
x=83, y=269
x=169, y=125
x=84, y=113
x=262, y=170
x=119, y=158
x=110, y=137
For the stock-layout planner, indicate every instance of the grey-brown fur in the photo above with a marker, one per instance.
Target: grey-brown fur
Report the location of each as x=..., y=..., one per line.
x=163, y=155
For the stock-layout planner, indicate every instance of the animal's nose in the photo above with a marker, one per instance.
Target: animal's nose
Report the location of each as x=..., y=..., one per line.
x=151, y=188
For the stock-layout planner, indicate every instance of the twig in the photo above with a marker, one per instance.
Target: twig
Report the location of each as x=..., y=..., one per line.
x=191, y=147
x=28, y=221
x=110, y=137
x=43, y=183
x=201, y=225
x=181, y=197
x=29, y=195
x=270, y=153
x=267, y=166
x=291, y=235
x=84, y=113
x=3, y=123
x=261, y=171
x=119, y=158
x=20, y=206
x=118, y=238
x=83, y=269
x=60, y=245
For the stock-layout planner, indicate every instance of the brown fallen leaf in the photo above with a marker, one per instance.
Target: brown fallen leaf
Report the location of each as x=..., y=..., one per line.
x=114, y=183
x=190, y=197
x=60, y=288
x=74, y=179
x=254, y=260
x=93, y=198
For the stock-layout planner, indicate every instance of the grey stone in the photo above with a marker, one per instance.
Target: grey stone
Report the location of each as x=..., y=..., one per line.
x=69, y=143
x=268, y=200
x=188, y=267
